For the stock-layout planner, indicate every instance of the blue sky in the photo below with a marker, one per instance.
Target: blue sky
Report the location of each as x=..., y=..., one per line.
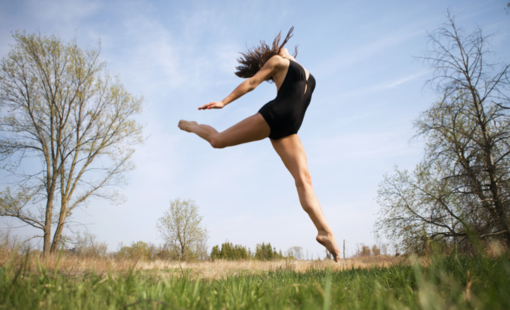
x=181, y=54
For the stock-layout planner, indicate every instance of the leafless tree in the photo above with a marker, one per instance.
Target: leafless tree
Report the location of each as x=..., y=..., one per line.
x=296, y=252
x=461, y=187
x=181, y=228
x=86, y=244
x=67, y=132
x=362, y=250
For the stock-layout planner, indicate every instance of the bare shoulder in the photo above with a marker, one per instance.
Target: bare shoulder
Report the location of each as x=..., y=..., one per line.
x=278, y=61
x=273, y=66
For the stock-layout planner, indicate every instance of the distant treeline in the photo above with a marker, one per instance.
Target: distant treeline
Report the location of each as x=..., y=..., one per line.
x=263, y=251
x=86, y=245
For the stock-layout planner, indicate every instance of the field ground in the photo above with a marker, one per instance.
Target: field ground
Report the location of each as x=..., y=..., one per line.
x=440, y=282
x=73, y=265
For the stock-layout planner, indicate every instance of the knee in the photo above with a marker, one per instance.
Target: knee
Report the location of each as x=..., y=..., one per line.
x=304, y=180
x=216, y=143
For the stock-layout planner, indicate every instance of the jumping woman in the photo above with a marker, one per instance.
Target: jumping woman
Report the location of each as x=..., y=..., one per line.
x=279, y=120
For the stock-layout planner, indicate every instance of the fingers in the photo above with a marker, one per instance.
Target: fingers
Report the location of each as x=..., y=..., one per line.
x=211, y=105
x=205, y=106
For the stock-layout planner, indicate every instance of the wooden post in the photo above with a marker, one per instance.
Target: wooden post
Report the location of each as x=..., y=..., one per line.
x=344, y=249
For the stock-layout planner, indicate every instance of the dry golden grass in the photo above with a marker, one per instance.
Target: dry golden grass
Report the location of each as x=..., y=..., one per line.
x=222, y=269
x=74, y=265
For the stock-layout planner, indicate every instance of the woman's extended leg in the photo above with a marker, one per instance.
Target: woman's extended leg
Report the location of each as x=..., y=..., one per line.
x=250, y=129
x=293, y=155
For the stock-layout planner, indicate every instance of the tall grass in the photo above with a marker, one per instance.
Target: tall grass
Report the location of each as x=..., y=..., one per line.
x=441, y=282
x=77, y=264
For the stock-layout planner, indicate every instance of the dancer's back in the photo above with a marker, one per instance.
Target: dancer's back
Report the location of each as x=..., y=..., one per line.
x=285, y=113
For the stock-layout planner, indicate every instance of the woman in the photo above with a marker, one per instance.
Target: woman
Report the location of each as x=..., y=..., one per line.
x=279, y=120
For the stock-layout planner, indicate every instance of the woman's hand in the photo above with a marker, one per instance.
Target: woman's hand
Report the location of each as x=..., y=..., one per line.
x=212, y=105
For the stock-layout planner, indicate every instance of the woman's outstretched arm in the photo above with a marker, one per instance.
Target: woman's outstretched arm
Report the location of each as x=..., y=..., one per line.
x=268, y=70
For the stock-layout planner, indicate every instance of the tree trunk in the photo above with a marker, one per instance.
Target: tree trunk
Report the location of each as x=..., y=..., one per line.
x=60, y=227
x=498, y=205
x=47, y=224
x=491, y=168
x=56, y=238
x=183, y=249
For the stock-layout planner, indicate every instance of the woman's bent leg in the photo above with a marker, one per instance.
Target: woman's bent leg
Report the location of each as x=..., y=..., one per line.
x=293, y=155
x=250, y=129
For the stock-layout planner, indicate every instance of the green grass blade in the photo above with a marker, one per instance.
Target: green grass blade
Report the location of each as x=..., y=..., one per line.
x=58, y=261
x=327, y=291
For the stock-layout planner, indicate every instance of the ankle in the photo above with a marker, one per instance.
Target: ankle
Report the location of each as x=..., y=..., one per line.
x=191, y=125
x=325, y=232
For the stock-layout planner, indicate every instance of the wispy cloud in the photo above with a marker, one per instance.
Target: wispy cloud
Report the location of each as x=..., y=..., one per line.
x=357, y=53
x=362, y=146
x=63, y=13
x=404, y=80
x=370, y=89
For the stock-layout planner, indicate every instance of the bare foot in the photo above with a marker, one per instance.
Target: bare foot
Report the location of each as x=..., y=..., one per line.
x=328, y=240
x=184, y=125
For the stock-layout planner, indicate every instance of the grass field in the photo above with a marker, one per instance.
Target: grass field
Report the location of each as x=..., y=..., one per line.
x=442, y=282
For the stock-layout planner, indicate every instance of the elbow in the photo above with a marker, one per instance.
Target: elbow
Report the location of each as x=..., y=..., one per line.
x=251, y=85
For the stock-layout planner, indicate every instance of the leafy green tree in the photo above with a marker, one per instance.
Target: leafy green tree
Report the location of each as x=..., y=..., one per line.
x=215, y=253
x=181, y=228
x=462, y=186
x=124, y=252
x=229, y=251
x=60, y=107
x=138, y=250
x=266, y=252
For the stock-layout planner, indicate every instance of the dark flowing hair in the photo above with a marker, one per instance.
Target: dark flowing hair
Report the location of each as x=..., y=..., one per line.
x=255, y=58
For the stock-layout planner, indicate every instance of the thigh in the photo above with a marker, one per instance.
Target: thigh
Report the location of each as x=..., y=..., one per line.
x=291, y=151
x=253, y=128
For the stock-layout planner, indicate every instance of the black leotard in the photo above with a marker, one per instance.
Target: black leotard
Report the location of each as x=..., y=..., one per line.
x=285, y=113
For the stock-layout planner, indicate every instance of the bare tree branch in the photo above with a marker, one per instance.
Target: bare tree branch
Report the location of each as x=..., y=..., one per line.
x=66, y=110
